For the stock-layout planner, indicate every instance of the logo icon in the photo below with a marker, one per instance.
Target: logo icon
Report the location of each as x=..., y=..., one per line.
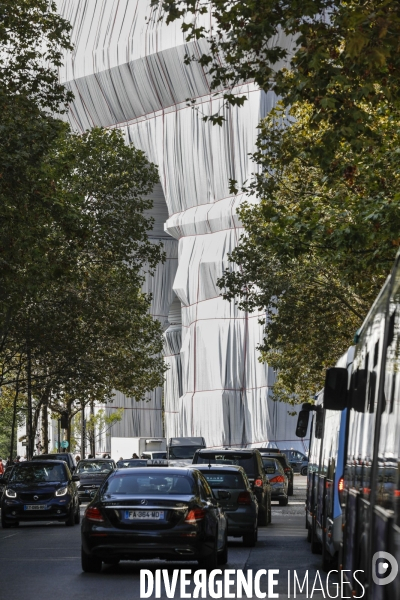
x=385, y=571
x=143, y=502
x=36, y=497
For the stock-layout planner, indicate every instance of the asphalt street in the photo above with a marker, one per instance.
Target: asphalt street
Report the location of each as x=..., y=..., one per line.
x=42, y=562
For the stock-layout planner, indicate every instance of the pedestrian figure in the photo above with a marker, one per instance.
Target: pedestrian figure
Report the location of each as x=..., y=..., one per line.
x=77, y=458
x=134, y=455
x=90, y=456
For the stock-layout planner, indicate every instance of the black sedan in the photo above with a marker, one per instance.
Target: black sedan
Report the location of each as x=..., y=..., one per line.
x=92, y=473
x=157, y=512
x=40, y=491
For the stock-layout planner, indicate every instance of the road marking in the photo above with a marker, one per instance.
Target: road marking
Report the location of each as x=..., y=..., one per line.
x=8, y=536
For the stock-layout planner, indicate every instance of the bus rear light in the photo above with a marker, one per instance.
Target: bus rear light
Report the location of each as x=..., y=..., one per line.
x=341, y=484
x=258, y=483
x=397, y=493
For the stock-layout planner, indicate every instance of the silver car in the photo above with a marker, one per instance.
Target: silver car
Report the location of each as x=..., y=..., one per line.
x=233, y=491
x=277, y=478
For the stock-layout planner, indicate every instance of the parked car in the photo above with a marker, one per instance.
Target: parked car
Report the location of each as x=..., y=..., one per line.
x=40, y=491
x=68, y=457
x=165, y=512
x=92, y=472
x=277, y=478
x=297, y=460
x=5, y=476
x=253, y=466
x=154, y=455
x=275, y=453
x=130, y=463
x=232, y=489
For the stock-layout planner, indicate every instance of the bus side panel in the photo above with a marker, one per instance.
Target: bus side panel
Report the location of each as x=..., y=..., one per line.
x=350, y=536
x=393, y=589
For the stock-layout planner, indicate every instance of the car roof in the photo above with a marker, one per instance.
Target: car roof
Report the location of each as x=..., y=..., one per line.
x=156, y=470
x=213, y=467
x=96, y=459
x=41, y=460
x=227, y=450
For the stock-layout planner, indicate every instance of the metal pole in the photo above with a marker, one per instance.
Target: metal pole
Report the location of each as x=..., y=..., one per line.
x=59, y=435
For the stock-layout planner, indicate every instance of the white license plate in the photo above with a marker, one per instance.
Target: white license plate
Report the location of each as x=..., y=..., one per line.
x=35, y=507
x=144, y=515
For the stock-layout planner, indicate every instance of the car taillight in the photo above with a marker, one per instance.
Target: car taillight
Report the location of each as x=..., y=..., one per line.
x=258, y=483
x=277, y=479
x=194, y=515
x=244, y=498
x=341, y=484
x=93, y=514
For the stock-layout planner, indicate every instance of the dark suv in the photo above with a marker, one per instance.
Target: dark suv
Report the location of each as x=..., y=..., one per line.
x=252, y=464
x=275, y=453
x=65, y=456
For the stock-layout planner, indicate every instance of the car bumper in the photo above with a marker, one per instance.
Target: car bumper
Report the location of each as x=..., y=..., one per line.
x=278, y=493
x=241, y=521
x=57, y=510
x=107, y=544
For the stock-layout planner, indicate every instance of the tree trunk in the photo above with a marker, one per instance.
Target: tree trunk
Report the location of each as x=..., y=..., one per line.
x=45, y=428
x=68, y=432
x=93, y=433
x=14, y=418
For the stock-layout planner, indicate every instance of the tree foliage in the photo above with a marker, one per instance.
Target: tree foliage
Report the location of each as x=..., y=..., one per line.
x=73, y=235
x=322, y=238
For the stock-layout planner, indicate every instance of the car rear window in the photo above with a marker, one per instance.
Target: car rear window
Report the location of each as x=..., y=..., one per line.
x=220, y=480
x=247, y=461
x=270, y=466
x=135, y=462
x=143, y=483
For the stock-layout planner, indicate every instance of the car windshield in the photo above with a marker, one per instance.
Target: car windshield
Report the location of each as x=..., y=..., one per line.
x=143, y=484
x=32, y=473
x=135, y=462
x=232, y=458
x=96, y=467
x=221, y=480
x=281, y=458
x=182, y=452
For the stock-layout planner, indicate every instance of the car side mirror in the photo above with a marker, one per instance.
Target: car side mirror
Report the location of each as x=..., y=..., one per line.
x=223, y=495
x=76, y=478
x=302, y=423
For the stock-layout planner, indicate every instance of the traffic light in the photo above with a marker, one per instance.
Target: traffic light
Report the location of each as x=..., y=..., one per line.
x=64, y=420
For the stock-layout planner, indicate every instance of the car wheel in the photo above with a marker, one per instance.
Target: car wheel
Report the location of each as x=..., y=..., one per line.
x=210, y=562
x=283, y=501
x=308, y=534
x=315, y=544
x=250, y=539
x=290, y=489
x=90, y=564
x=263, y=515
x=70, y=522
x=4, y=523
x=223, y=554
x=77, y=515
x=304, y=471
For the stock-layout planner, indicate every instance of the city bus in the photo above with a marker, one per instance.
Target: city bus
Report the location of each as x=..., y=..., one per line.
x=325, y=470
x=369, y=491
